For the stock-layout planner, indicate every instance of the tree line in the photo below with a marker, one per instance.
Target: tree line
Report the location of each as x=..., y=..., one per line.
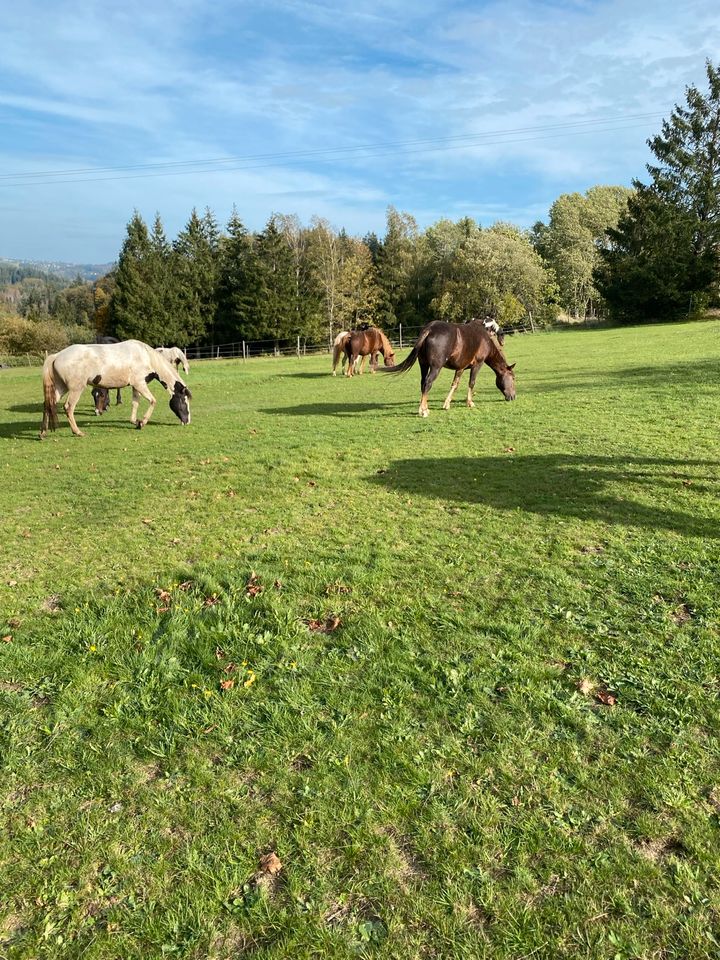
x=647, y=253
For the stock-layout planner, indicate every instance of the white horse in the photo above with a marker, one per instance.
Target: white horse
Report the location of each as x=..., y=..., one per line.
x=339, y=351
x=130, y=363
x=176, y=356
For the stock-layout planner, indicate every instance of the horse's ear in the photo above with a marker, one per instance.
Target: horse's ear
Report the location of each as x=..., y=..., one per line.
x=512, y=366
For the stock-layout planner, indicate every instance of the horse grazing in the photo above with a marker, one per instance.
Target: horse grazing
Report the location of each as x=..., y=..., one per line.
x=112, y=365
x=101, y=405
x=457, y=346
x=176, y=356
x=364, y=344
x=101, y=398
x=339, y=351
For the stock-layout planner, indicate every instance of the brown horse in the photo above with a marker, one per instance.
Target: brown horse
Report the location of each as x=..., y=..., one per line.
x=367, y=343
x=457, y=346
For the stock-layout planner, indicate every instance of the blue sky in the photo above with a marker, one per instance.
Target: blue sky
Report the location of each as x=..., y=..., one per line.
x=483, y=109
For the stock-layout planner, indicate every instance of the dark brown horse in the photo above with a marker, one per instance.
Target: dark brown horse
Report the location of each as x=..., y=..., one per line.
x=457, y=346
x=367, y=343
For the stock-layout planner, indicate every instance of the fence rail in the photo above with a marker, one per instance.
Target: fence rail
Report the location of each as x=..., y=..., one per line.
x=246, y=349
x=299, y=347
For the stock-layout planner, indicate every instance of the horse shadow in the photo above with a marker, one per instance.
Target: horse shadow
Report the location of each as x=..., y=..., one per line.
x=30, y=429
x=563, y=485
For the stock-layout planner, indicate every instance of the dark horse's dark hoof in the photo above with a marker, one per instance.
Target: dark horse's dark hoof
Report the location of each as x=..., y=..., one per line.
x=138, y=425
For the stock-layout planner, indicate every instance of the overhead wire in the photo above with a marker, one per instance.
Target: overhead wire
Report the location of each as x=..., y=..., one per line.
x=359, y=151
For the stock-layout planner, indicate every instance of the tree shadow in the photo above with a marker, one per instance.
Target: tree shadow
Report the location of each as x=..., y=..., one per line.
x=307, y=375
x=333, y=409
x=692, y=375
x=562, y=485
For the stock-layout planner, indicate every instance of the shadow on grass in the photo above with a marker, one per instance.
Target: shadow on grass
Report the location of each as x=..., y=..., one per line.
x=30, y=429
x=333, y=409
x=562, y=485
x=669, y=376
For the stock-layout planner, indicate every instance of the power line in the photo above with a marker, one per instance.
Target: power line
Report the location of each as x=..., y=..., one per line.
x=361, y=151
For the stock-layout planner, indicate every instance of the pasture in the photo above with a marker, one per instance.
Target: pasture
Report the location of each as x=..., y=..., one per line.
x=314, y=677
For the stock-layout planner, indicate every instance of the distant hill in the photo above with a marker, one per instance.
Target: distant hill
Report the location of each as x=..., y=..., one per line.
x=67, y=271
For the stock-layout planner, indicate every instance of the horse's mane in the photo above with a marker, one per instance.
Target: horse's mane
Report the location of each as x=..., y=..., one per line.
x=495, y=358
x=385, y=342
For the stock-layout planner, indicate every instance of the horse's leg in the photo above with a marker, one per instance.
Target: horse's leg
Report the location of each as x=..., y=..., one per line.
x=118, y=398
x=453, y=388
x=471, y=386
x=134, y=407
x=373, y=362
x=351, y=358
x=70, y=404
x=427, y=378
x=142, y=388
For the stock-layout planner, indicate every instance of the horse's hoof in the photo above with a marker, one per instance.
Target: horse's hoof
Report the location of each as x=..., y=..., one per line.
x=139, y=425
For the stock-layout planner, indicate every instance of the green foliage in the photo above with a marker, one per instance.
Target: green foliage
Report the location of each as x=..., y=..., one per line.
x=664, y=258
x=25, y=335
x=195, y=262
x=571, y=242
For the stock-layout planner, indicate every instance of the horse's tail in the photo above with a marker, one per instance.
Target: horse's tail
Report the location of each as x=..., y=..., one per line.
x=339, y=348
x=50, y=418
x=411, y=357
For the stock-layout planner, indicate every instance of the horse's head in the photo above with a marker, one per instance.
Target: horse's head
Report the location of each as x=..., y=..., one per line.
x=180, y=402
x=505, y=382
x=389, y=357
x=101, y=396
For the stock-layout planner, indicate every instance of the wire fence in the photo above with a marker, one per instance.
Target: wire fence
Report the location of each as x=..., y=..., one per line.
x=403, y=338
x=301, y=347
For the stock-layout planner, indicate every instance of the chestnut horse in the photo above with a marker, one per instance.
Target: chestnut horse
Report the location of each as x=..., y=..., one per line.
x=457, y=346
x=367, y=343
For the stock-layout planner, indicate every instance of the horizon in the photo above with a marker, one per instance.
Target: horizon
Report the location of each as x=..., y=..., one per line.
x=483, y=110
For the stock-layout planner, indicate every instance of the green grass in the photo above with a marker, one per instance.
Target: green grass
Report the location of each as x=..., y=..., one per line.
x=438, y=775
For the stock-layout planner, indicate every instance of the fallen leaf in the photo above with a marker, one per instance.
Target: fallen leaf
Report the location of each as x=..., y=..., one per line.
x=231, y=493
x=253, y=587
x=606, y=697
x=509, y=450
x=219, y=653
x=14, y=622
x=12, y=583
x=687, y=483
x=586, y=686
x=211, y=600
x=163, y=595
x=278, y=584
x=271, y=864
x=312, y=483
x=185, y=585
x=7, y=639
x=230, y=667
x=148, y=521
x=328, y=625
x=227, y=684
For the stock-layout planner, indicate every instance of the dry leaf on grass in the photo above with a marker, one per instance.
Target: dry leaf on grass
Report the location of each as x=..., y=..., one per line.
x=253, y=587
x=509, y=450
x=185, y=585
x=227, y=684
x=586, y=686
x=328, y=625
x=681, y=614
x=606, y=697
x=14, y=622
x=7, y=639
x=211, y=600
x=163, y=595
x=52, y=604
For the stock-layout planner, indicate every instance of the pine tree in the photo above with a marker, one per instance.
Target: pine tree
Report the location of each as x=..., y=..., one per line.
x=129, y=316
x=238, y=286
x=276, y=306
x=195, y=266
x=664, y=255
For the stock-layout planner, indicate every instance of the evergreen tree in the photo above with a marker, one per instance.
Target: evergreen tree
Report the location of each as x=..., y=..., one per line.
x=238, y=287
x=663, y=257
x=277, y=304
x=129, y=312
x=195, y=268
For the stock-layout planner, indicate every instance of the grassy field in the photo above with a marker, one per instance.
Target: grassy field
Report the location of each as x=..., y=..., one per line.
x=504, y=739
